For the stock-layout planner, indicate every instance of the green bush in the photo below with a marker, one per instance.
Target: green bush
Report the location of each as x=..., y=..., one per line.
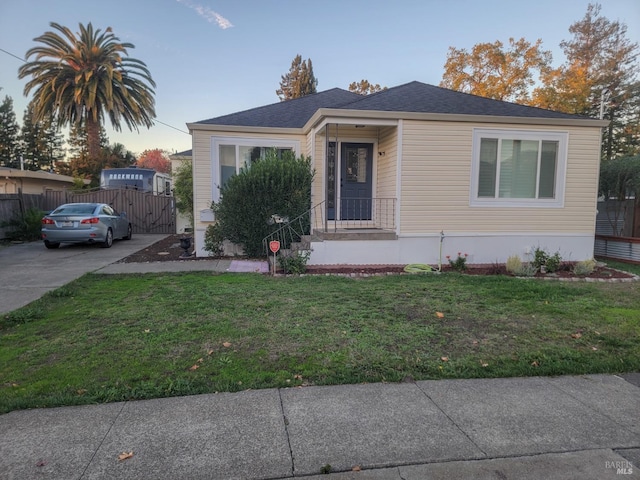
x=551, y=263
x=271, y=186
x=213, y=240
x=25, y=227
x=183, y=189
x=295, y=263
x=585, y=267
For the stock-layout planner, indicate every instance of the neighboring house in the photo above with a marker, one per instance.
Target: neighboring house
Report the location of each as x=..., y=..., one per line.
x=417, y=172
x=32, y=182
x=183, y=224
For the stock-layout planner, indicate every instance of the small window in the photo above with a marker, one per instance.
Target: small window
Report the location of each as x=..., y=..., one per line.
x=518, y=168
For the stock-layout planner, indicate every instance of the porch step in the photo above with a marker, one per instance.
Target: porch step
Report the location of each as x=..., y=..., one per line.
x=356, y=234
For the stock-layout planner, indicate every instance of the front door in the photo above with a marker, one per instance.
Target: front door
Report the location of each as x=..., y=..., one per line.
x=355, y=181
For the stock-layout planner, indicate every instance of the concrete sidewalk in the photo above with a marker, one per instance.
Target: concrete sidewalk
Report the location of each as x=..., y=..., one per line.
x=572, y=427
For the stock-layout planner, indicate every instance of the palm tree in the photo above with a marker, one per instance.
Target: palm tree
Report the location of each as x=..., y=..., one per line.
x=81, y=79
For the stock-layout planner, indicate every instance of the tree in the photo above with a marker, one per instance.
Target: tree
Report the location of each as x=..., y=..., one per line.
x=183, y=189
x=80, y=164
x=155, y=159
x=620, y=180
x=300, y=80
x=363, y=87
x=82, y=79
x=492, y=71
x=117, y=156
x=8, y=134
x=40, y=142
x=599, y=78
x=271, y=186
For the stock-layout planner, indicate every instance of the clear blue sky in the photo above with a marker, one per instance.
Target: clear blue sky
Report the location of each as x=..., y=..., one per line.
x=213, y=57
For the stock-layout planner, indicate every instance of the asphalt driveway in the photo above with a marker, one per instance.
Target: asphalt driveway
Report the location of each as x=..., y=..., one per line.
x=29, y=270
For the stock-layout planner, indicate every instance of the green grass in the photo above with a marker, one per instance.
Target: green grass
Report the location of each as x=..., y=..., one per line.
x=109, y=338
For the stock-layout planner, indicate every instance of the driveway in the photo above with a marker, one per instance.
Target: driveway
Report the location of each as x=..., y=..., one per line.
x=29, y=270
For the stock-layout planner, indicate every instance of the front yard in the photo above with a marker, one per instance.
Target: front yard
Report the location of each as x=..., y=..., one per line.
x=109, y=338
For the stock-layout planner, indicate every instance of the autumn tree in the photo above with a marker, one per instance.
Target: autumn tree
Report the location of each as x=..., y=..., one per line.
x=9, y=156
x=83, y=78
x=598, y=78
x=155, y=159
x=493, y=71
x=299, y=81
x=363, y=87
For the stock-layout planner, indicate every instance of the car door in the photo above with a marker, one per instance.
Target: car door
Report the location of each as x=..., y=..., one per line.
x=111, y=219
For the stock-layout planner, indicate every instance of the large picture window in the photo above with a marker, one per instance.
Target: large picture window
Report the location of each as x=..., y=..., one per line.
x=230, y=155
x=518, y=168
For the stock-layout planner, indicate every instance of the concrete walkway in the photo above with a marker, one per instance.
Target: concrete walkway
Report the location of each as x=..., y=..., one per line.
x=574, y=427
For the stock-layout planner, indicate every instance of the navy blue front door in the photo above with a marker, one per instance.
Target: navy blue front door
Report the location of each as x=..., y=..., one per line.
x=355, y=181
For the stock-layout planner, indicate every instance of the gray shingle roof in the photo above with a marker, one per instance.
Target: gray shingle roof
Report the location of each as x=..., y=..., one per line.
x=288, y=114
x=415, y=97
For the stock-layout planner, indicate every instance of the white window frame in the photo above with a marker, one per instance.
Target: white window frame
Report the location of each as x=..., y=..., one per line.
x=238, y=142
x=512, y=134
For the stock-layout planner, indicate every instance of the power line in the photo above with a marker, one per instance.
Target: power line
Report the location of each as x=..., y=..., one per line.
x=155, y=120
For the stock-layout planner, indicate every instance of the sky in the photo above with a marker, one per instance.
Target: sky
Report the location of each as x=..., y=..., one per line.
x=214, y=57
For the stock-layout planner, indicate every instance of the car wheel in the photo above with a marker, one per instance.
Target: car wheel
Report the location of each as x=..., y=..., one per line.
x=129, y=233
x=51, y=245
x=108, y=241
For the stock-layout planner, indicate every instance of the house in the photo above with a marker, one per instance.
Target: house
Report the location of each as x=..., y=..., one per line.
x=417, y=172
x=13, y=180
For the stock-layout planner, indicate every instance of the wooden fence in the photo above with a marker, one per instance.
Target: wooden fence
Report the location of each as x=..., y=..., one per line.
x=147, y=213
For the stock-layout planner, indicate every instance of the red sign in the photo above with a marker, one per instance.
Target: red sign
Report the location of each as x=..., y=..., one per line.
x=274, y=245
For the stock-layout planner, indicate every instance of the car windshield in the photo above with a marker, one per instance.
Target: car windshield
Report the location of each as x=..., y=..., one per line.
x=74, y=210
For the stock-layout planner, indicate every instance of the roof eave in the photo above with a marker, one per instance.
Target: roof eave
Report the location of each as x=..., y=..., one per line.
x=322, y=113
x=244, y=129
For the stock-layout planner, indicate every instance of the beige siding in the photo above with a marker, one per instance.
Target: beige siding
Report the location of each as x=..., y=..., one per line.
x=387, y=163
x=436, y=175
x=202, y=164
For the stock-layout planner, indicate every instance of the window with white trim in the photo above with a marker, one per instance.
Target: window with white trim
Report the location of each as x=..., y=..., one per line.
x=518, y=168
x=231, y=154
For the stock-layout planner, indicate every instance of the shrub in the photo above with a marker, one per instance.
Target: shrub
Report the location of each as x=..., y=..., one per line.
x=272, y=185
x=460, y=263
x=213, y=240
x=513, y=264
x=553, y=262
x=25, y=227
x=543, y=261
x=517, y=267
x=183, y=189
x=585, y=267
x=295, y=263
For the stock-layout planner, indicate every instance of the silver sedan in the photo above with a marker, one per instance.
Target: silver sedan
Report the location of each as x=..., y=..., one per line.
x=84, y=222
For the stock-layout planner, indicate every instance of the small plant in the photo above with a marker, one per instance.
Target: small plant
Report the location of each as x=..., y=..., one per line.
x=517, y=267
x=460, y=263
x=213, y=240
x=295, y=263
x=545, y=262
x=553, y=262
x=540, y=258
x=585, y=267
x=25, y=227
x=514, y=264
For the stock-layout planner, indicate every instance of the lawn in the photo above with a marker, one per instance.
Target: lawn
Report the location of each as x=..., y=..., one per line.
x=109, y=338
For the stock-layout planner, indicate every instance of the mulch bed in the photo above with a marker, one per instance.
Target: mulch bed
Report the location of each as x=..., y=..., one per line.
x=168, y=249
